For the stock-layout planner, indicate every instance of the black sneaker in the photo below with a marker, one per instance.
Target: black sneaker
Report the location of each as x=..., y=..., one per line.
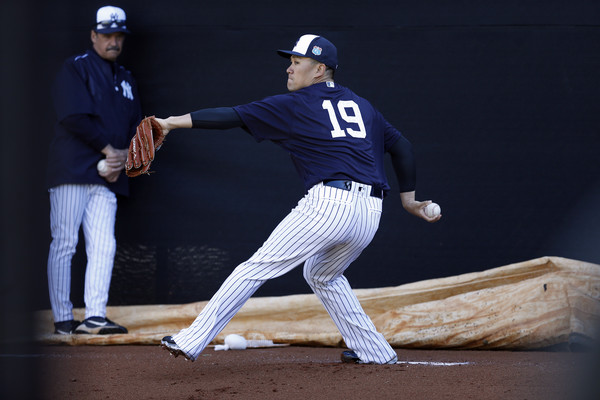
x=99, y=326
x=350, y=357
x=168, y=343
x=65, y=327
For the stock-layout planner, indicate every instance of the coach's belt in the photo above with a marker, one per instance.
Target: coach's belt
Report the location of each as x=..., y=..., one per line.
x=347, y=185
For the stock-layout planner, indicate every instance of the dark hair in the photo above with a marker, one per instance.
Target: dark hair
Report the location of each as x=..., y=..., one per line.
x=332, y=71
x=327, y=68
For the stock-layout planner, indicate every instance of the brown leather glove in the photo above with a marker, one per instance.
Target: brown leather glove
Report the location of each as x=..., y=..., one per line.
x=147, y=140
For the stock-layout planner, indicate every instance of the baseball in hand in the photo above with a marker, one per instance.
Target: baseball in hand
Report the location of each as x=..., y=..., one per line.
x=102, y=167
x=433, y=210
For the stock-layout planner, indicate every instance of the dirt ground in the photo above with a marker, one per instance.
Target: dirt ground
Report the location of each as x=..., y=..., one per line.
x=150, y=372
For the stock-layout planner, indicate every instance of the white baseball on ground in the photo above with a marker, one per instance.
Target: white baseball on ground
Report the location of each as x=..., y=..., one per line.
x=235, y=342
x=433, y=210
x=102, y=167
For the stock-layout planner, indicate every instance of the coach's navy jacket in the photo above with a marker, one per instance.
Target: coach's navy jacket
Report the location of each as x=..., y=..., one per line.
x=106, y=93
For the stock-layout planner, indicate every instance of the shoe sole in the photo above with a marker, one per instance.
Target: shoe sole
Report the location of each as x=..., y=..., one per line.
x=175, y=352
x=101, y=331
x=355, y=360
x=348, y=358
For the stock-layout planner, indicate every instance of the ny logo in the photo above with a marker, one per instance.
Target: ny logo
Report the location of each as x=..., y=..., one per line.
x=127, y=90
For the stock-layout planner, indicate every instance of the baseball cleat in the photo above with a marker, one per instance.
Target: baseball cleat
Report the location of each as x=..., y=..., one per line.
x=350, y=357
x=168, y=343
x=99, y=326
x=66, y=327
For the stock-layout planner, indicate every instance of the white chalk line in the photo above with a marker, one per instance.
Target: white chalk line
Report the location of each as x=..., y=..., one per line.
x=434, y=363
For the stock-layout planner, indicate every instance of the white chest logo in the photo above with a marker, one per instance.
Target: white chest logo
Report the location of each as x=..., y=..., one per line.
x=127, y=90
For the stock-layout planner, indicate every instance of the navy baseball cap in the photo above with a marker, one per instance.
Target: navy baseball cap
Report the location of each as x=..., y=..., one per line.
x=110, y=19
x=316, y=47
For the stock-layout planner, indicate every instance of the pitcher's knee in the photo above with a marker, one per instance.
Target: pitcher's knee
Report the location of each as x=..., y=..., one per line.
x=315, y=283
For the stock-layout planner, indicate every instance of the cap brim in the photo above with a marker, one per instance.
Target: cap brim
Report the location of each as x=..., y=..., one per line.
x=288, y=53
x=112, y=30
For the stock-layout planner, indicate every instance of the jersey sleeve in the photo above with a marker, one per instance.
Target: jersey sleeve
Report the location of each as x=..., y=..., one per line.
x=268, y=119
x=82, y=126
x=70, y=92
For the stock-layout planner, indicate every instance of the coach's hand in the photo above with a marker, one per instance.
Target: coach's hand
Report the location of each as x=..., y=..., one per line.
x=115, y=162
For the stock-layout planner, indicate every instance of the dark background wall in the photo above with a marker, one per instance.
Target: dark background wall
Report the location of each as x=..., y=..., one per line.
x=500, y=100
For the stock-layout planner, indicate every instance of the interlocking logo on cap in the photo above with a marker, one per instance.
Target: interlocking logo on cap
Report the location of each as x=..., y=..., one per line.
x=110, y=19
x=317, y=51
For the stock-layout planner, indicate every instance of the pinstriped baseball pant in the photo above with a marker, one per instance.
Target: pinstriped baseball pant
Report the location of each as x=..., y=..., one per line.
x=94, y=207
x=327, y=231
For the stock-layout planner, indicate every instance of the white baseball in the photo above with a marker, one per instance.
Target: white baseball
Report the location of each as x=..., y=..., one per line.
x=433, y=210
x=235, y=342
x=102, y=167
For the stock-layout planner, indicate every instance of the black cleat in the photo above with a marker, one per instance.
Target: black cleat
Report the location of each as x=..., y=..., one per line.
x=168, y=343
x=99, y=326
x=66, y=327
x=350, y=357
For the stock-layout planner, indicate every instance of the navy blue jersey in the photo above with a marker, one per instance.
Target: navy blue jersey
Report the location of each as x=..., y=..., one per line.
x=104, y=92
x=329, y=131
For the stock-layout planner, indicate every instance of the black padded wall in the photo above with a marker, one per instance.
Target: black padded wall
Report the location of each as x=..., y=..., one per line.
x=500, y=100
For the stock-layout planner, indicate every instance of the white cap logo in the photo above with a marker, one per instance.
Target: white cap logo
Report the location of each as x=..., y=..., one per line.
x=110, y=17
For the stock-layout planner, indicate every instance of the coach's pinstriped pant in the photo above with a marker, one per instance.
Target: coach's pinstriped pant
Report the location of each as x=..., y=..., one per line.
x=94, y=207
x=327, y=230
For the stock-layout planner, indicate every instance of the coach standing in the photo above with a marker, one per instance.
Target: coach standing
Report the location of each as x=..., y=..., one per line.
x=97, y=109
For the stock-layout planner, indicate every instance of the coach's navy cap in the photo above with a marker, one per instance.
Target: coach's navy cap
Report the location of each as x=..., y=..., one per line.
x=110, y=19
x=316, y=47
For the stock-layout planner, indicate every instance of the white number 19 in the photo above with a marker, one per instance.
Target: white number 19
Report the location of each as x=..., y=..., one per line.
x=351, y=119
